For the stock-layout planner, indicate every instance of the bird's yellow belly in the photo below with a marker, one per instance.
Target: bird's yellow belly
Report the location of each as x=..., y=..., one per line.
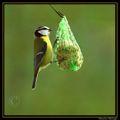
x=47, y=57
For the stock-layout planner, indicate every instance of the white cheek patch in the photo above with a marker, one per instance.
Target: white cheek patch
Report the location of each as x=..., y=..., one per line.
x=44, y=32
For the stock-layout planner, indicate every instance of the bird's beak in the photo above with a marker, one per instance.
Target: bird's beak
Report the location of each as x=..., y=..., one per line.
x=50, y=29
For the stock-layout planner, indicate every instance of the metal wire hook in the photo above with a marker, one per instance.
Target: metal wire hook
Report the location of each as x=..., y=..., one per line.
x=58, y=12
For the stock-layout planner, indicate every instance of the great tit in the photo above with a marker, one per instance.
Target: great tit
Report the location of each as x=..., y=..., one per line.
x=43, y=51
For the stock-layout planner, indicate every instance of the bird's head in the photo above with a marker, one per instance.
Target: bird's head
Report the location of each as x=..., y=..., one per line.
x=42, y=31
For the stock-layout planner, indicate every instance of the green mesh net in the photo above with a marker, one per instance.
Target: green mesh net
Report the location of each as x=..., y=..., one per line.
x=66, y=50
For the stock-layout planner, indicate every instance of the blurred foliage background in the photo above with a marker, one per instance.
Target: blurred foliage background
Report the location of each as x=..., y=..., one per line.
x=89, y=91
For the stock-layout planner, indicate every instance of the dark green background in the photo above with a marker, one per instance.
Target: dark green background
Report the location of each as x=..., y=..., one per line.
x=89, y=91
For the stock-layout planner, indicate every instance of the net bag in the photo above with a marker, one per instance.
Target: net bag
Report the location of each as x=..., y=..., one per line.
x=67, y=52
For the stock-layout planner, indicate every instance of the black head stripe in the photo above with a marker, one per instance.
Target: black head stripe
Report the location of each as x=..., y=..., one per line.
x=43, y=28
x=37, y=34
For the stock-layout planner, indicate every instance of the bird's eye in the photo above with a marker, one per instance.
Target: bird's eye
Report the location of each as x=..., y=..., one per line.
x=44, y=29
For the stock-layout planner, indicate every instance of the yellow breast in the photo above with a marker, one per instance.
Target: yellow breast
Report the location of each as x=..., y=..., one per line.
x=49, y=52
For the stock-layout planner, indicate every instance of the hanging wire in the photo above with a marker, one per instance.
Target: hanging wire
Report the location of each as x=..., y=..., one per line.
x=58, y=12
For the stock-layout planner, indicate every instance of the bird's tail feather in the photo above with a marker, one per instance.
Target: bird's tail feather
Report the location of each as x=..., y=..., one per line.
x=35, y=78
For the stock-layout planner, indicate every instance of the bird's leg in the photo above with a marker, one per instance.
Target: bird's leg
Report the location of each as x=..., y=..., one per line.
x=54, y=61
x=55, y=42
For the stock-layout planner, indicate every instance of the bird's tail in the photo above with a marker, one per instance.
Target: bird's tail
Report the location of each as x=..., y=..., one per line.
x=35, y=78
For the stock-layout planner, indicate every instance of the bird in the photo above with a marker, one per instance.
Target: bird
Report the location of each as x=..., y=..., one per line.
x=43, y=51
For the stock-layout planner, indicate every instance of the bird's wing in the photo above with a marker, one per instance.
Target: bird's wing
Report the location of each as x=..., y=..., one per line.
x=38, y=60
